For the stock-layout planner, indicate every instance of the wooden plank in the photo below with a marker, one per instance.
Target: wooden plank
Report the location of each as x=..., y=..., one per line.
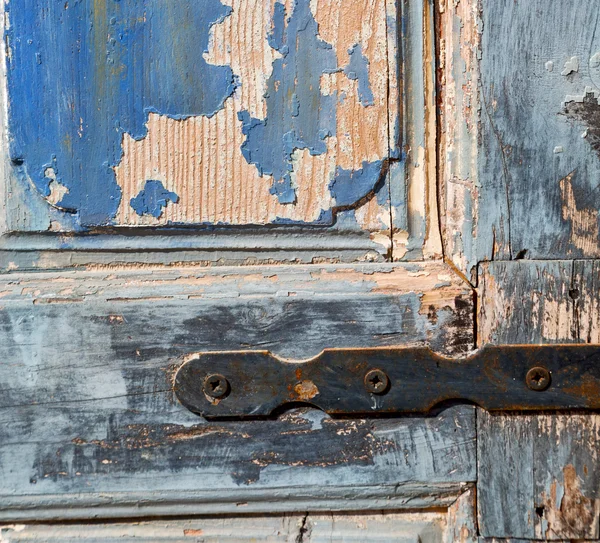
x=458, y=47
x=505, y=476
x=462, y=520
x=307, y=528
x=538, y=155
x=517, y=169
x=539, y=301
x=538, y=474
x=90, y=425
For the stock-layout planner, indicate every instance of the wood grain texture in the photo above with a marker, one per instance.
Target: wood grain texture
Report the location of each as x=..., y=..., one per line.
x=307, y=528
x=90, y=425
x=458, y=45
x=538, y=475
x=462, y=519
x=539, y=301
x=538, y=153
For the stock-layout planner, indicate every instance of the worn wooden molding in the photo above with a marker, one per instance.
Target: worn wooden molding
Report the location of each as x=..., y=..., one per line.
x=458, y=33
x=417, y=233
x=538, y=475
x=207, y=248
x=454, y=523
x=306, y=528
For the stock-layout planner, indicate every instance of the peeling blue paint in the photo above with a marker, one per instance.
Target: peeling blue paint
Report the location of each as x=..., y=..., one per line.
x=358, y=69
x=83, y=73
x=152, y=199
x=299, y=116
x=350, y=186
x=275, y=37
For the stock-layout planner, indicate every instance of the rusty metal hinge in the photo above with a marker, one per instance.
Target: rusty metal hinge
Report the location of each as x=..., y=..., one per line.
x=391, y=380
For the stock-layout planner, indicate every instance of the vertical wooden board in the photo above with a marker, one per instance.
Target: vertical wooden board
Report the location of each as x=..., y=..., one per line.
x=533, y=302
x=567, y=477
x=284, y=112
x=538, y=476
x=461, y=520
x=505, y=475
x=458, y=46
x=539, y=154
x=414, y=202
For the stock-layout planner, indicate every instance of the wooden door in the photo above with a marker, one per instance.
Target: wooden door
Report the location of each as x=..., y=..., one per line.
x=290, y=175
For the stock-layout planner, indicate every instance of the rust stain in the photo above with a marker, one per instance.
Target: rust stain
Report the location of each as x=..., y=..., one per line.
x=192, y=533
x=568, y=513
x=587, y=387
x=306, y=390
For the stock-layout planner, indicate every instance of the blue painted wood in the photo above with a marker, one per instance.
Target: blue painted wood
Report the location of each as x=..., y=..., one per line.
x=83, y=74
x=90, y=426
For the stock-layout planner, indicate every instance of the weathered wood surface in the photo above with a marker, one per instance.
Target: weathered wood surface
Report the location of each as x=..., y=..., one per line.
x=539, y=302
x=458, y=44
x=370, y=175
x=462, y=519
x=306, y=528
x=90, y=426
x=538, y=475
x=281, y=114
x=519, y=84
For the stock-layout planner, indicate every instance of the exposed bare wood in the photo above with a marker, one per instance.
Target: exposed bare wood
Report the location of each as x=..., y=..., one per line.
x=459, y=42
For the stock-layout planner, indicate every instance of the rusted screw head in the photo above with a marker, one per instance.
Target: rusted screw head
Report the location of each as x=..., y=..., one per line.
x=377, y=382
x=216, y=386
x=538, y=379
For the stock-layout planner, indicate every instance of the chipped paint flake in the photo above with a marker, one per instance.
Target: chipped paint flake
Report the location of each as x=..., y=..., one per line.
x=571, y=65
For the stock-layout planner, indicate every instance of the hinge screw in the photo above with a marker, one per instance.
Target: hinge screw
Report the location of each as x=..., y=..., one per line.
x=538, y=379
x=377, y=382
x=216, y=386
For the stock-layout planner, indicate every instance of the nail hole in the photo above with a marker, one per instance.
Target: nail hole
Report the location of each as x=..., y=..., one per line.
x=539, y=511
x=574, y=293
